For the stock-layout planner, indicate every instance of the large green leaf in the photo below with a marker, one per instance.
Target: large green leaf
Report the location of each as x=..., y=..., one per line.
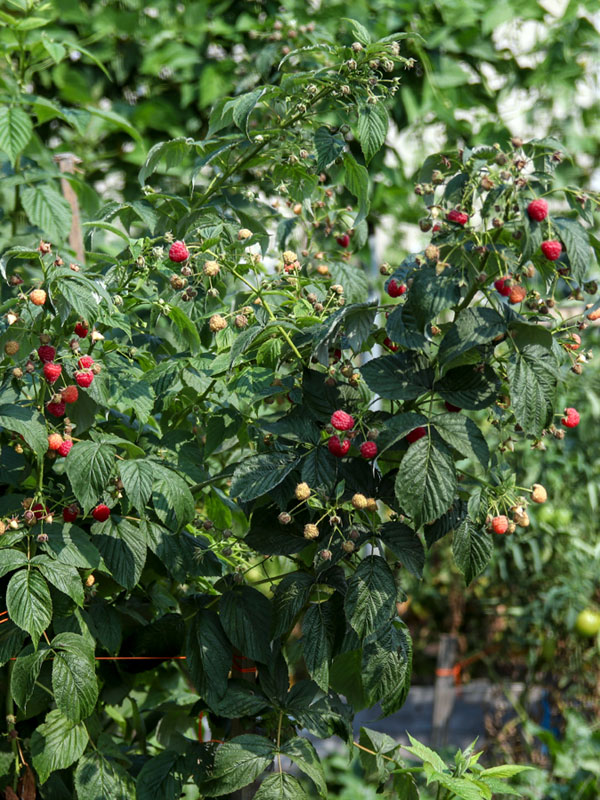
x=15, y=131
x=11, y=560
x=576, y=239
x=123, y=548
x=281, y=786
x=98, y=778
x=238, y=763
x=74, y=676
x=373, y=123
x=405, y=545
x=26, y=670
x=386, y=667
x=426, y=480
x=472, y=549
x=63, y=576
x=257, y=475
x=302, y=752
x=246, y=619
x=208, y=653
x=88, y=468
x=48, y=210
x=533, y=376
x=473, y=327
x=317, y=644
x=469, y=388
x=29, y=603
x=158, y=778
x=56, y=744
x=70, y=545
x=138, y=477
x=171, y=497
x=328, y=147
x=398, y=377
x=371, y=597
x=29, y=424
x=356, y=180
x=289, y=598
x=462, y=434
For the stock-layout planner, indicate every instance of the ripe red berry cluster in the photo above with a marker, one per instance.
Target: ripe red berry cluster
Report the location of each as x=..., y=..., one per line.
x=342, y=421
x=571, y=418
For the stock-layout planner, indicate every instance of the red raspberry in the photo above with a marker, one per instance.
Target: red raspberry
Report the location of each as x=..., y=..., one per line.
x=395, y=289
x=178, y=252
x=85, y=362
x=368, y=449
x=415, y=435
x=343, y=240
x=551, y=249
x=81, y=330
x=52, y=372
x=500, y=524
x=517, y=294
x=70, y=394
x=451, y=408
x=56, y=409
x=65, y=448
x=457, y=216
x=571, y=418
x=338, y=448
x=39, y=510
x=342, y=421
x=70, y=513
x=84, y=379
x=337, y=354
x=390, y=345
x=101, y=513
x=500, y=286
x=46, y=352
x=54, y=441
x=436, y=228
x=537, y=210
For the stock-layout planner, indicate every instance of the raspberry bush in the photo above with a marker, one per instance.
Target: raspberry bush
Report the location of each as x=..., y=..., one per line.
x=221, y=440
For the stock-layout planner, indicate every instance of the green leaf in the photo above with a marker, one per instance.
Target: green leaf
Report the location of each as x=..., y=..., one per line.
x=238, y=763
x=123, y=548
x=241, y=699
x=245, y=615
x=63, y=576
x=243, y=107
x=504, y=771
x=173, y=151
x=11, y=560
x=426, y=480
x=208, y=653
x=472, y=549
x=319, y=468
x=88, y=468
x=281, y=786
x=48, y=210
x=468, y=388
x=426, y=754
x=402, y=327
x=257, y=475
x=328, y=147
x=29, y=424
x=74, y=676
x=158, y=779
x=29, y=603
x=186, y=328
x=304, y=756
x=473, y=327
x=115, y=120
x=402, y=376
x=405, y=545
x=171, y=497
x=360, y=33
x=317, y=644
x=26, y=670
x=356, y=289
x=377, y=768
x=371, y=597
x=289, y=599
x=56, y=744
x=356, y=180
x=463, y=435
x=373, y=124
x=533, y=376
x=138, y=478
x=429, y=294
x=386, y=667
x=15, y=131
x=70, y=545
x=98, y=777
x=577, y=242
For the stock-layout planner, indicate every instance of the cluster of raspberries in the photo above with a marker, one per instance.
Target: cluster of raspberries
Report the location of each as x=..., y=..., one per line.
x=338, y=447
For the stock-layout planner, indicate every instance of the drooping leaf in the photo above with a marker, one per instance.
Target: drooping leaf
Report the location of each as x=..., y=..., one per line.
x=56, y=744
x=245, y=615
x=533, y=376
x=461, y=433
x=29, y=603
x=401, y=376
x=138, y=478
x=405, y=545
x=98, y=777
x=74, y=676
x=472, y=549
x=15, y=131
x=208, y=653
x=48, y=210
x=88, y=468
x=371, y=597
x=257, y=475
x=426, y=480
x=317, y=643
x=238, y=762
x=123, y=548
x=302, y=752
x=373, y=124
x=28, y=423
